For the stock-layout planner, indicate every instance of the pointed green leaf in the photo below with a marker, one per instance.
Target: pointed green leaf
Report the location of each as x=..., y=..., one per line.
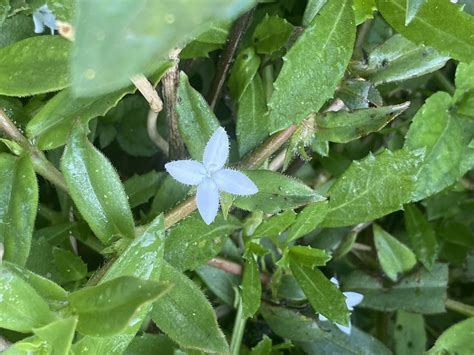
x=251, y=287
x=96, y=189
x=275, y=225
x=312, y=9
x=450, y=34
x=394, y=257
x=308, y=220
x=305, y=255
x=196, y=120
x=221, y=283
x=457, y=339
x=421, y=235
x=313, y=66
x=18, y=206
x=58, y=335
x=271, y=34
x=413, y=6
x=70, y=266
x=372, y=188
x=197, y=326
x=243, y=71
x=141, y=188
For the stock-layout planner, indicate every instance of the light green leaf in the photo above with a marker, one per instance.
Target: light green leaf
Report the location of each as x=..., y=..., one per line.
x=395, y=257
x=243, y=71
x=62, y=9
x=372, y=188
x=70, y=266
x=21, y=307
x=363, y=10
x=271, y=34
x=192, y=242
x=275, y=225
x=251, y=287
x=413, y=6
x=344, y=126
x=141, y=188
x=18, y=206
x=96, y=189
x=450, y=34
x=422, y=292
x=421, y=235
x=196, y=120
x=108, y=308
x=410, y=334
x=252, y=123
x=457, y=339
x=264, y=347
x=276, y=192
x=308, y=220
x=313, y=66
x=464, y=93
x=322, y=294
x=307, y=256
x=117, y=40
x=4, y=8
x=34, y=66
x=399, y=59
x=312, y=9
x=210, y=40
x=58, y=335
x=197, y=327
x=442, y=135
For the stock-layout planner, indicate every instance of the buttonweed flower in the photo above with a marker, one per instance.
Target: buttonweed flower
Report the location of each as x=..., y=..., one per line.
x=211, y=176
x=44, y=17
x=352, y=300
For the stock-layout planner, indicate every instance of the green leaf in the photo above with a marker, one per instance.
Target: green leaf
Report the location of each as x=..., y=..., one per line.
x=312, y=9
x=363, y=10
x=197, y=327
x=192, y=242
x=62, y=9
x=210, y=40
x=308, y=220
x=421, y=235
x=457, y=339
x=147, y=344
x=196, y=121
x=117, y=40
x=58, y=335
x=275, y=225
x=306, y=80
x=169, y=193
x=18, y=206
x=276, y=192
x=413, y=6
x=264, y=347
x=21, y=307
x=450, y=34
x=108, y=308
x=70, y=266
x=410, y=334
x=307, y=256
x=15, y=29
x=96, y=189
x=322, y=294
x=252, y=123
x=445, y=140
x=464, y=93
x=394, y=257
x=372, y=188
x=243, y=71
x=422, y=292
x=271, y=34
x=141, y=188
x=4, y=8
x=344, y=126
x=251, y=287
x=34, y=66
x=399, y=59
x=222, y=283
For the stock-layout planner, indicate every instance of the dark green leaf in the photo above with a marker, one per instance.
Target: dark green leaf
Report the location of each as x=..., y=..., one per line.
x=251, y=287
x=313, y=66
x=147, y=344
x=372, y=188
x=395, y=257
x=455, y=340
x=33, y=66
x=15, y=29
x=271, y=34
x=275, y=225
x=276, y=192
x=220, y=282
x=410, y=334
x=450, y=34
x=197, y=327
x=70, y=266
x=308, y=220
x=305, y=255
x=96, y=189
x=141, y=188
x=18, y=206
x=4, y=8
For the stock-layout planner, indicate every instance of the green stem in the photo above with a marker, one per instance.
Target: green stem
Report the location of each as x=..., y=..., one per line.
x=444, y=82
x=238, y=331
x=459, y=307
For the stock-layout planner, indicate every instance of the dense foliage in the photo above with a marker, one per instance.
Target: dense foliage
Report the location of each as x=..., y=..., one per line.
x=354, y=120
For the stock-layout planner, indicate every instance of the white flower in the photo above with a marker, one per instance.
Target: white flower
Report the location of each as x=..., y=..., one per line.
x=352, y=300
x=44, y=17
x=210, y=176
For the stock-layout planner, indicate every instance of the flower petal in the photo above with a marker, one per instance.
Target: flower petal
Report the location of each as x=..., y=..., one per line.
x=335, y=281
x=38, y=21
x=353, y=299
x=207, y=198
x=345, y=329
x=188, y=172
x=234, y=182
x=216, y=151
x=322, y=318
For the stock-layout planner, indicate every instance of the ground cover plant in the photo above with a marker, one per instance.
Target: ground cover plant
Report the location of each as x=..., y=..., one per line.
x=236, y=177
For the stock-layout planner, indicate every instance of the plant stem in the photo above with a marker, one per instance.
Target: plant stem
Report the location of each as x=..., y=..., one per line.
x=238, y=331
x=444, y=82
x=233, y=41
x=459, y=307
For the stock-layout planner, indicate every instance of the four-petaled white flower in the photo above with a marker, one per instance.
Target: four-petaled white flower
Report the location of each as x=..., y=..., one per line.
x=211, y=177
x=352, y=300
x=44, y=17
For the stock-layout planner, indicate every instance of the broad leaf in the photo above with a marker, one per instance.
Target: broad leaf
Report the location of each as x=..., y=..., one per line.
x=275, y=225
x=271, y=34
x=308, y=220
x=313, y=66
x=34, y=66
x=243, y=71
x=96, y=189
x=410, y=334
x=455, y=340
x=222, y=283
x=307, y=256
x=141, y=188
x=251, y=287
x=70, y=266
x=413, y=6
x=312, y=9
x=58, y=335
x=18, y=206
x=372, y=188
